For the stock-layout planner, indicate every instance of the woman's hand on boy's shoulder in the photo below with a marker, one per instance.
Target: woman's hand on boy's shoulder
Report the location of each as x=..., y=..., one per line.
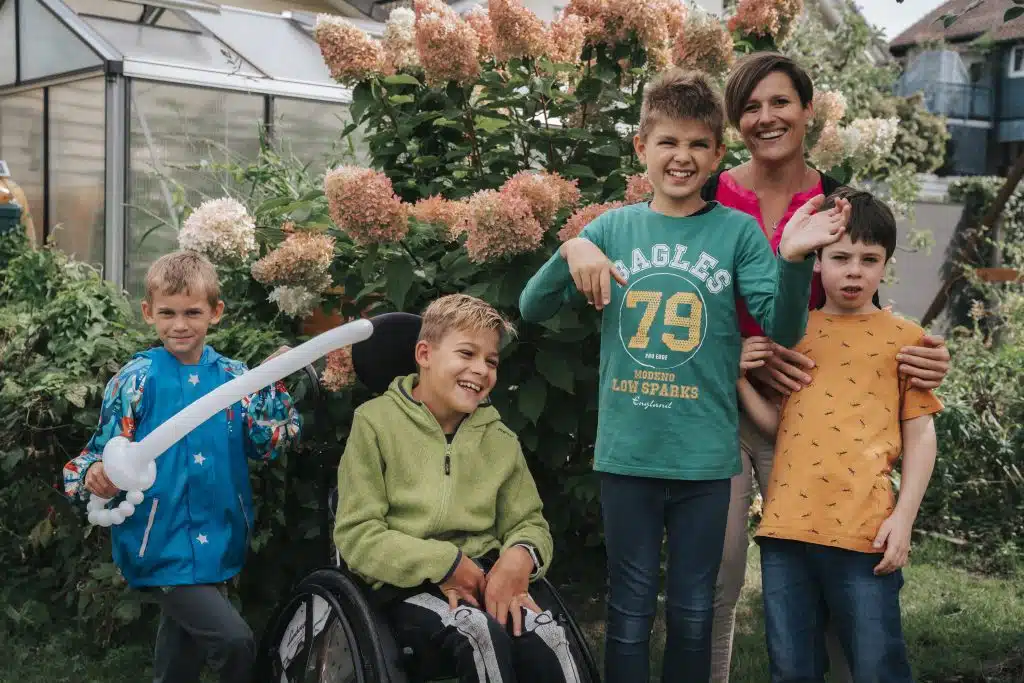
x=592, y=272
x=926, y=364
x=784, y=370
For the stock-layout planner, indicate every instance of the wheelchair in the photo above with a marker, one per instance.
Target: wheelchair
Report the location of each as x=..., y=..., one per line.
x=327, y=630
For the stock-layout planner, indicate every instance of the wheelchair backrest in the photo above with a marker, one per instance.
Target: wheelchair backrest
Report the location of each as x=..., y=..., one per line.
x=389, y=352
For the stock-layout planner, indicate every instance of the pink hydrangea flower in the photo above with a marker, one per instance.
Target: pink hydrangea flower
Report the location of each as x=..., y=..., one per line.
x=582, y=218
x=769, y=18
x=350, y=54
x=829, y=106
x=704, y=44
x=638, y=188
x=477, y=18
x=302, y=260
x=502, y=225
x=448, y=47
x=436, y=210
x=546, y=193
x=340, y=372
x=517, y=30
x=364, y=206
x=568, y=36
x=830, y=149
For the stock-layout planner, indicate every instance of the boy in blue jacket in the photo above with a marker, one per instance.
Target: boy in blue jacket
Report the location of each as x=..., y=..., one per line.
x=191, y=533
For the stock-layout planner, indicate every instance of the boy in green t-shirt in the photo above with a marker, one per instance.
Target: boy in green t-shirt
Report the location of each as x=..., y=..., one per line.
x=667, y=442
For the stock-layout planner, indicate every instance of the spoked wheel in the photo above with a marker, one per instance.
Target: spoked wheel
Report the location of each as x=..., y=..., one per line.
x=322, y=634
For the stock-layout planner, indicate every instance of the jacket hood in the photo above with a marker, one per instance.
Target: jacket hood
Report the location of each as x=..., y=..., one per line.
x=400, y=392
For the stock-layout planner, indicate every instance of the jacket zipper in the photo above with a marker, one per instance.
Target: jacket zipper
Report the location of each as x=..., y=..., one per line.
x=248, y=529
x=149, y=527
x=448, y=460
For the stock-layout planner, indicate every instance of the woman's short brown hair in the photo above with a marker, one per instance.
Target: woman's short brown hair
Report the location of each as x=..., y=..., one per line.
x=753, y=69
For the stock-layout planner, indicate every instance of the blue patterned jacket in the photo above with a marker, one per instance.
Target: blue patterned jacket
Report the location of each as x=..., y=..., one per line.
x=195, y=523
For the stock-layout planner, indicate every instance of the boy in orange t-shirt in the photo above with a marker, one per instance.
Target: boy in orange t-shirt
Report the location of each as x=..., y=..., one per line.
x=833, y=536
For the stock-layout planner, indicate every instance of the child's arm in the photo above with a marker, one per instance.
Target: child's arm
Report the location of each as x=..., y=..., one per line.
x=776, y=290
x=579, y=266
x=526, y=546
x=763, y=412
x=118, y=415
x=520, y=518
x=919, y=448
x=271, y=421
x=361, y=533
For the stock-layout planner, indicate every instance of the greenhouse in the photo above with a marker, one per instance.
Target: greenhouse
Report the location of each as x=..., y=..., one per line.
x=114, y=115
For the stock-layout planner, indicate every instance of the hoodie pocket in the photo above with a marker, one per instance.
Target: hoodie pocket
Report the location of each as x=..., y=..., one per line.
x=149, y=527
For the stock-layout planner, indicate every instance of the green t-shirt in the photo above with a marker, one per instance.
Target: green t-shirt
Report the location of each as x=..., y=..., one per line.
x=670, y=340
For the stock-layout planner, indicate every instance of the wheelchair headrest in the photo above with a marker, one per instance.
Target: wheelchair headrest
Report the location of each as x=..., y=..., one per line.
x=389, y=352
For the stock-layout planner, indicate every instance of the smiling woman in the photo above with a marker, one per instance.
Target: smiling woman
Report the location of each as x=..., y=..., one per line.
x=769, y=100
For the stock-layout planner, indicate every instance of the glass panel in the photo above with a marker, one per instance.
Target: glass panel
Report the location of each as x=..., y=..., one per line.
x=169, y=46
x=77, y=168
x=53, y=47
x=177, y=135
x=8, y=66
x=273, y=44
x=311, y=132
x=21, y=146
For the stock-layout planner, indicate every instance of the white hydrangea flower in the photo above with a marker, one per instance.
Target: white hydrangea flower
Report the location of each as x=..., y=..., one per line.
x=400, y=38
x=222, y=229
x=295, y=302
x=874, y=138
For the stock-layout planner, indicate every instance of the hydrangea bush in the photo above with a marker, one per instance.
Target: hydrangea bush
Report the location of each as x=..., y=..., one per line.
x=494, y=136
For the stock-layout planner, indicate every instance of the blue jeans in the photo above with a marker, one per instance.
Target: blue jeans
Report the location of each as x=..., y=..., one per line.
x=637, y=512
x=804, y=586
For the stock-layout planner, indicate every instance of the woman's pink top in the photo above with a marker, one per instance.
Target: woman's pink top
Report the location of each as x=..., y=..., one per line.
x=732, y=194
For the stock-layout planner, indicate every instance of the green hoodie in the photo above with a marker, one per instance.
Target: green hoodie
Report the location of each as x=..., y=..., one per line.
x=410, y=504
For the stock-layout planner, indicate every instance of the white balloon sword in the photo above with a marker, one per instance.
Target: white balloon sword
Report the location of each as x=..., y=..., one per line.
x=131, y=465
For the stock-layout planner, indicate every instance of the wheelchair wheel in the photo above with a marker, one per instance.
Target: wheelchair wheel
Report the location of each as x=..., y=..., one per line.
x=548, y=598
x=324, y=633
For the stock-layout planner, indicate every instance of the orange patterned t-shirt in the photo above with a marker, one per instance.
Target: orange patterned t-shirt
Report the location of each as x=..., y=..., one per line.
x=840, y=437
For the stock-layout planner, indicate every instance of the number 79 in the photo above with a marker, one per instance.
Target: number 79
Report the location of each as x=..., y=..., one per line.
x=652, y=302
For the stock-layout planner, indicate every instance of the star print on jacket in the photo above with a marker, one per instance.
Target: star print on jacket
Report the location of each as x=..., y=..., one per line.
x=840, y=437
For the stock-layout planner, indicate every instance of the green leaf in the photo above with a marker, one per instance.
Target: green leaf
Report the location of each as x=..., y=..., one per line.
x=401, y=99
x=401, y=79
x=1013, y=13
x=362, y=98
x=555, y=370
x=609, y=150
x=489, y=124
x=127, y=611
x=275, y=203
x=578, y=171
x=532, y=395
x=399, y=276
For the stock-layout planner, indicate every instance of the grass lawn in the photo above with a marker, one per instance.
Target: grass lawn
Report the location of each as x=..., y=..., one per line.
x=960, y=627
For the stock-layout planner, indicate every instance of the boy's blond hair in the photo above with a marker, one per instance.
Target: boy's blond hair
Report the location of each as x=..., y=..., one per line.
x=180, y=272
x=462, y=312
x=681, y=94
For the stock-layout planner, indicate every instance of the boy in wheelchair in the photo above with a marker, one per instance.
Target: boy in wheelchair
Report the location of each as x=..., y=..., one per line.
x=438, y=511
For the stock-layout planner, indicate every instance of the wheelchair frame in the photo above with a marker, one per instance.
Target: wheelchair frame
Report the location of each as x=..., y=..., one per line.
x=331, y=602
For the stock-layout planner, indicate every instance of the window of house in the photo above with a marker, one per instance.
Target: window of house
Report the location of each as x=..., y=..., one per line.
x=1016, y=69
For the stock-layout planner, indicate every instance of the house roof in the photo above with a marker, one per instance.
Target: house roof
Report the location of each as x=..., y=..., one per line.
x=986, y=18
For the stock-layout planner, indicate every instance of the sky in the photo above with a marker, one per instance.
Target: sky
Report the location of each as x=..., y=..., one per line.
x=892, y=17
